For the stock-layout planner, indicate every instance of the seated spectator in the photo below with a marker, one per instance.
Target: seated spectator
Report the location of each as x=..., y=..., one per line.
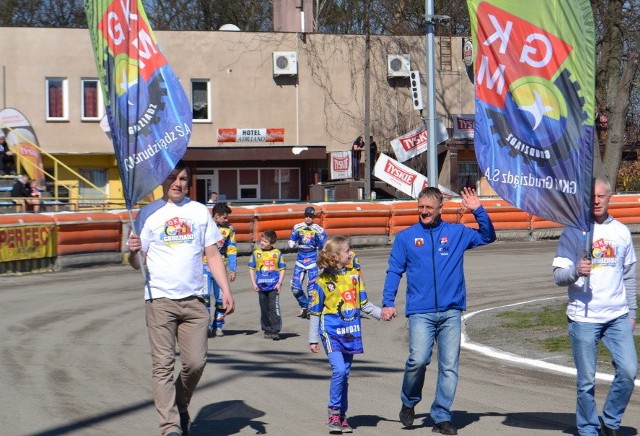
x=23, y=197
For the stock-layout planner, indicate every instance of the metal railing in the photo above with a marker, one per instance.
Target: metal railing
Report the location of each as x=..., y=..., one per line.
x=73, y=188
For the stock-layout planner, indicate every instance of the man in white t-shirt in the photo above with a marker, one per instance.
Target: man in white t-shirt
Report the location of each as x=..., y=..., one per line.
x=173, y=234
x=602, y=306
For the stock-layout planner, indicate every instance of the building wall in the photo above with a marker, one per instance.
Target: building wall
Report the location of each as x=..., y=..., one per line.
x=322, y=105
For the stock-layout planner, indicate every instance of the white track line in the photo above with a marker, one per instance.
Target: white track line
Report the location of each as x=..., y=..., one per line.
x=510, y=357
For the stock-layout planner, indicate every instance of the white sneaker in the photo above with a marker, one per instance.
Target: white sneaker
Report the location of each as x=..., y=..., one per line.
x=219, y=332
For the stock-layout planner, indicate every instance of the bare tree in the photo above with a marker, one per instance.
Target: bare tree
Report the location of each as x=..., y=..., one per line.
x=617, y=73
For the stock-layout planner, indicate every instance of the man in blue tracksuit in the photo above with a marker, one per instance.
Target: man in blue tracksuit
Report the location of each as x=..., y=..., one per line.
x=431, y=252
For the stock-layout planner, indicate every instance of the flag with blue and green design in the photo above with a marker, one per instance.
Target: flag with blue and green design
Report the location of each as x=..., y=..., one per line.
x=534, y=73
x=149, y=115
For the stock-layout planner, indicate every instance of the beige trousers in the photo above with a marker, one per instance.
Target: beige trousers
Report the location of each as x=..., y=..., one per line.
x=184, y=322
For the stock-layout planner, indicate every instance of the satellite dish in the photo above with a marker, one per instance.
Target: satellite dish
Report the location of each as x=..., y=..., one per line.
x=229, y=27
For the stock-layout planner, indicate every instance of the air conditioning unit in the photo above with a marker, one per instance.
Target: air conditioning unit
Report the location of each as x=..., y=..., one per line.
x=285, y=63
x=398, y=65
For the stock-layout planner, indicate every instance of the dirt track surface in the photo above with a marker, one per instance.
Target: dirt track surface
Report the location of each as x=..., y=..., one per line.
x=75, y=360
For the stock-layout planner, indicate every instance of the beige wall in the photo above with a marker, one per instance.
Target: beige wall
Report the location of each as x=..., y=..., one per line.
x=324, y=106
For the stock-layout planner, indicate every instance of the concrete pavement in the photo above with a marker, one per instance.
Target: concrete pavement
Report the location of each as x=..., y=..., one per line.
x=75, y=360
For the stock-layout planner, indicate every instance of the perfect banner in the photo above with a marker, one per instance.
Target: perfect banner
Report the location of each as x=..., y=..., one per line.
x=149, y=115
x=415, y=142
x=27, y=242
x=402, y=177
x=534, y=124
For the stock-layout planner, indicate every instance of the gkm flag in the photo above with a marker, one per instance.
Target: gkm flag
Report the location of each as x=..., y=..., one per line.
x=534, y=124
x=148, y=111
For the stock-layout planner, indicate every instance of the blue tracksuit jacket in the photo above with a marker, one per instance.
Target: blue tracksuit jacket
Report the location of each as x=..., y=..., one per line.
x=432, y=256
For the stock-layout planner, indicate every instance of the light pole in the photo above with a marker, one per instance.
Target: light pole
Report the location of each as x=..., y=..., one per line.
x=367, y=117
x=432, y=151
x=432, y=147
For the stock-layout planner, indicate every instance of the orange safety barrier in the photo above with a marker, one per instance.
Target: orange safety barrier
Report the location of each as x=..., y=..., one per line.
x=505, y=218
x=281, y=218
x=541, y=223
x=242, y=220
x=625, y=198
x=355, y=219
x=124, y=215
x=27, y=219
x=628, y=213
x=503, y=215
x=88, y=233
x=84, y=233
x=404, y=214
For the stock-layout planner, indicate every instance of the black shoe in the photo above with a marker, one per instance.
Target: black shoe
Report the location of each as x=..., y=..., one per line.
x=606, y=431
x=303, y=313
x=185, y=422
x=275, y=337
x=444, y=427
x=407, y=415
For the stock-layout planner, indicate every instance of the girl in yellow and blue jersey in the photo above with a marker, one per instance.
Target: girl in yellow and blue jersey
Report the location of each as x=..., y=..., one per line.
x=337, y=298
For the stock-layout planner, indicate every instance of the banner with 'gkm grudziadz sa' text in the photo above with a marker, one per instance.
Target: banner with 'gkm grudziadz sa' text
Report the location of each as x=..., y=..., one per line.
x=149, y=115
x=534, y=68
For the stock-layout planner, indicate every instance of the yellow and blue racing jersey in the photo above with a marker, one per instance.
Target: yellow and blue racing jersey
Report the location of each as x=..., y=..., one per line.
x=266, y=265
x=337, y=297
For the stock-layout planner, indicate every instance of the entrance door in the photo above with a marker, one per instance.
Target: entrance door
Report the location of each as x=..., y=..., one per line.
x=205, y=183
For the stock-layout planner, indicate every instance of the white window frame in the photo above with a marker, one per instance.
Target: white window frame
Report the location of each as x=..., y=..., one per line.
x=209, y=108
x=100, y=101
x=65, y=98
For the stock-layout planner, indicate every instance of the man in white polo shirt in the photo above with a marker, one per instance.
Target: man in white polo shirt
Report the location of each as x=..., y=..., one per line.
x=173, y=234
x=602, y=306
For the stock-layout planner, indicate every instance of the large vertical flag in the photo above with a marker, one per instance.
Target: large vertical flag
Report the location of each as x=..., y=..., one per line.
x=534, y=122
x=148, y=111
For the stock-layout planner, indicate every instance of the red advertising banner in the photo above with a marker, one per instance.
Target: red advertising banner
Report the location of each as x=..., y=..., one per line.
x=251, y=135
x=340, y=165
x=463, y=125
x=415, y=142
x=402, y=177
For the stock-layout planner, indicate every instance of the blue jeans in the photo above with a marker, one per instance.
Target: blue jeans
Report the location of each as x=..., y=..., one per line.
x=617, y=336
x=424, y=329
x=339, y=389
